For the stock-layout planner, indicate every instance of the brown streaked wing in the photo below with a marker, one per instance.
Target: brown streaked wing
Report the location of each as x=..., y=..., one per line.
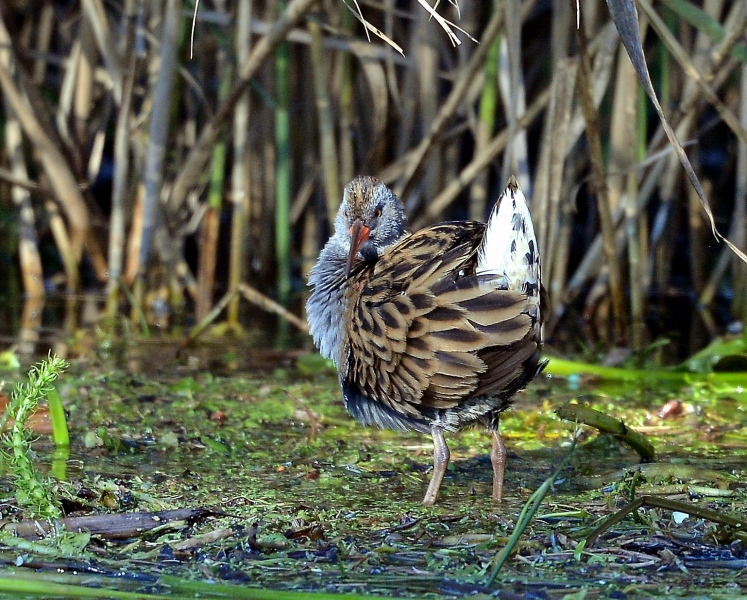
x=505, y=365
x=419, y=320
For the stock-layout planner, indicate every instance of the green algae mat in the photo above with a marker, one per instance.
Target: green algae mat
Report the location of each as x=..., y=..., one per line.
x=261, y=486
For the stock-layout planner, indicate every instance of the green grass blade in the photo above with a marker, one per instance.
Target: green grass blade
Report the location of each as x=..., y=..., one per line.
x=702, y=21
x=203, y=589
x=32, y=585
x=60, y=433
x=526, y=516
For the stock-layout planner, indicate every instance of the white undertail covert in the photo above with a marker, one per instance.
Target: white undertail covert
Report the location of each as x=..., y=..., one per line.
x=509, y=247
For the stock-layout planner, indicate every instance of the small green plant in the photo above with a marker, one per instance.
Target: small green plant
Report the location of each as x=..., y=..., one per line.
x=33, y=491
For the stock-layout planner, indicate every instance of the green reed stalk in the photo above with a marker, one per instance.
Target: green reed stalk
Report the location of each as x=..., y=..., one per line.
x=211, y=224
x=665, y=61
x=282, y=177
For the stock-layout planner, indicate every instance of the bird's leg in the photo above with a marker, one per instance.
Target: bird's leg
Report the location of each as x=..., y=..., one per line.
x=498, y=458
x=441, y=457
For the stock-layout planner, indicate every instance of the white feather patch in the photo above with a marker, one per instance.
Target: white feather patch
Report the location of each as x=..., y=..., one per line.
x=509, y=247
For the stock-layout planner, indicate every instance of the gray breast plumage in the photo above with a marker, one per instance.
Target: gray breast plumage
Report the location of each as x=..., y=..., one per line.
x=325, y=308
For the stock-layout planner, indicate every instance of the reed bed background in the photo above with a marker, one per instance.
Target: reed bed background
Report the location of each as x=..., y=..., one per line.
x=173, y=173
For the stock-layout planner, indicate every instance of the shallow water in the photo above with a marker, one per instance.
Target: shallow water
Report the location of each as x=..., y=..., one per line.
x=315, y=502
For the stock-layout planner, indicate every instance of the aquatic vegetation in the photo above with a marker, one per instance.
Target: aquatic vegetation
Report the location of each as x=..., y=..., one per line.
x=9, y=361
x=33, y=492
x=339, y=511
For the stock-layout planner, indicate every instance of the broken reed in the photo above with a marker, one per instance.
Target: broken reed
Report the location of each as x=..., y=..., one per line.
x=255, y=134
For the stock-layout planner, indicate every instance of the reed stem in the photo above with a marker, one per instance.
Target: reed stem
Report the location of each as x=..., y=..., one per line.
x=282, y=177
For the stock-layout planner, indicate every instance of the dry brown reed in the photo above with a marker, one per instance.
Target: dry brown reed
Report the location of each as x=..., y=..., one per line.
x=114, y=137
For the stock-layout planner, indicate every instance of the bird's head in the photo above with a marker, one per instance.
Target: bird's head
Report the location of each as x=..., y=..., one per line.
x=371, y=218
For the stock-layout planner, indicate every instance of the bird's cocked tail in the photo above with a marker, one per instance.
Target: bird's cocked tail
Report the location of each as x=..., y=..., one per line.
x=509, y=247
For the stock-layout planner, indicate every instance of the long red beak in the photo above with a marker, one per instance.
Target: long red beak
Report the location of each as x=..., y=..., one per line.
x=358, y=235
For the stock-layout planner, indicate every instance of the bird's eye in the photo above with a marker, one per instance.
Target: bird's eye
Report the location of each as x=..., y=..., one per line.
x=377, y=214
x=345, y=213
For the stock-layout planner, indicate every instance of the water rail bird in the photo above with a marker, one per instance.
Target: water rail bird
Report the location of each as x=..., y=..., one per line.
x=430, y=331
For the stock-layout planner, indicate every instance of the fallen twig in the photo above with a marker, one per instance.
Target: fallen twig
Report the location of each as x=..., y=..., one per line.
x=667, y=504
x=268, y=304
x=313, y=422
x=206, y=538
x=114, y=527
x=202, y=325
